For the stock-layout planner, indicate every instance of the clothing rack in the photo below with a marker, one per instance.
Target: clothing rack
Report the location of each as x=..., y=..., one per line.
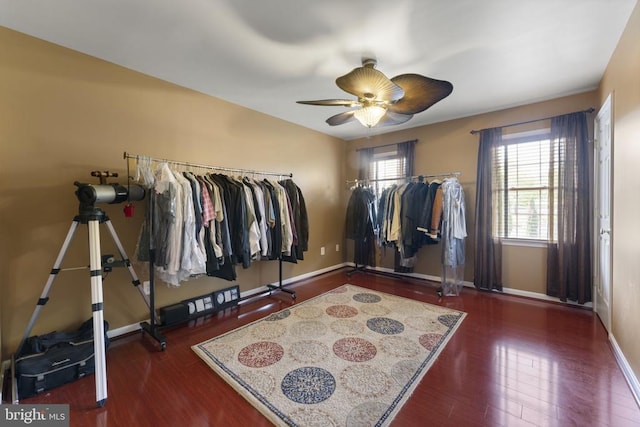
x=437, y=175
x=363, y=268
x=152, y=327
x=209, y=167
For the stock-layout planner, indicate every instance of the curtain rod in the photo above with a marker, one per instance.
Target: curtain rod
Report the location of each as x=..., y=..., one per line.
x=589, y=110
x=437, y=175
x=195, y=165
x=386, y=145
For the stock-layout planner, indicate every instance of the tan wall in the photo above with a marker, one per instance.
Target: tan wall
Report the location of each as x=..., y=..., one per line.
x=64, y=114
x=622, y=79
x=448, y=147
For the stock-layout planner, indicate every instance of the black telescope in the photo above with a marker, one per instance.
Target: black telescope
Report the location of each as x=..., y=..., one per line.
x=90, y=194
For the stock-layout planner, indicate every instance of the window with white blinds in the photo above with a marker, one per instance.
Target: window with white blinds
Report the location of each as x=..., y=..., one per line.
x=385, y=168
x=524, y=191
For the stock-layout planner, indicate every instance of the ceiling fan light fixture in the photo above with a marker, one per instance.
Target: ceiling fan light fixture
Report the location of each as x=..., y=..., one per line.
x=370, y=116
x=384, y=101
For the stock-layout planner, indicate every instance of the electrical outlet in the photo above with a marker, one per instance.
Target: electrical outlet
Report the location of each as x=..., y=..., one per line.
x=146, y=287
x=337, y=247
x=322, y=250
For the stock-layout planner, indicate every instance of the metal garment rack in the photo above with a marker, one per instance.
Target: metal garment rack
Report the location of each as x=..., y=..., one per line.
x=152, y=327
x=405, y=178
x=355, y=182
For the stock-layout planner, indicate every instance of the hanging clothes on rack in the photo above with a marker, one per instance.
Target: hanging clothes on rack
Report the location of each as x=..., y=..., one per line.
x=214, y=234
x=411, y=239
x=454, y=232
x=193, y=260
x=402, y=209
x=259, y=202
x=413, y=202
x=299, y=220
x=361, y=225
x=167, y=225
x=430, y=217
x=409, y=216
x=193, y=206
x=274, y=220
x=209, y=223
x=382, y=219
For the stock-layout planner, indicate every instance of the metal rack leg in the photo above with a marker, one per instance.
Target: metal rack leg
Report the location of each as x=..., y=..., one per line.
x=151, y=327
x=280, y=287
x=357, y=269
x=134, y=278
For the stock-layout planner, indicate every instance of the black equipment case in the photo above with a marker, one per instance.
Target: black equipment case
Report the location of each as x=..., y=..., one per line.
x=51, y=360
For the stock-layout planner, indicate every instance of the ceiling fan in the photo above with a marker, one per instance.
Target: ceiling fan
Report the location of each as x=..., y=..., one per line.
x=382, y=101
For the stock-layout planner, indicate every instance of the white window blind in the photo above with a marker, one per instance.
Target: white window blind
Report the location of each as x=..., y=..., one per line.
x=524, y=193
x=385, y=169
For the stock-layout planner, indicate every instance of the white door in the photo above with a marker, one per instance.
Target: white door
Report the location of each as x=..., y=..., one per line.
x=602, y=278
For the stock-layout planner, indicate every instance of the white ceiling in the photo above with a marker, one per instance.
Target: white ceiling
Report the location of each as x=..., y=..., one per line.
x=267, y=54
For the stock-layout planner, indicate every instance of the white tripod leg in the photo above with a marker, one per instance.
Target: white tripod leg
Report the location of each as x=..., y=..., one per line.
x=44, y=297
x=95, y=264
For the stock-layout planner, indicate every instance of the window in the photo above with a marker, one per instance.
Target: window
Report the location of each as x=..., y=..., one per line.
x=384, y=170
x=386, y=165
x=522, y=188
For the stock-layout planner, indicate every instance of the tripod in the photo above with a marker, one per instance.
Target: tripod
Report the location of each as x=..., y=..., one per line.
x=93, y=217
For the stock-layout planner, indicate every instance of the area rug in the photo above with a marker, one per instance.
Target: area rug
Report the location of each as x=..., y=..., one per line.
x=349, y=357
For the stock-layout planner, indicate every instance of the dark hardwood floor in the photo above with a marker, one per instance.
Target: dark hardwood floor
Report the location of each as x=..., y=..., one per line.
x=513, y=362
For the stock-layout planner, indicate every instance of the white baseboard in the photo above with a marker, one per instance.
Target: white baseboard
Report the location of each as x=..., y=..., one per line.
x=311, y=274
x=542, y=297
x=262, y=289
x=508, y=291
x=114, y=333
x=127, y=329
x=413, y=275
x=628, y=373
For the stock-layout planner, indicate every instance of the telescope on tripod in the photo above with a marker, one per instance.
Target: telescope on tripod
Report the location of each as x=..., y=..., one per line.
x=89, y=195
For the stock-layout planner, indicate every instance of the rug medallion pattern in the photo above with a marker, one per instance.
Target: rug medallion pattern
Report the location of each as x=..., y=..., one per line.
x=349, y=357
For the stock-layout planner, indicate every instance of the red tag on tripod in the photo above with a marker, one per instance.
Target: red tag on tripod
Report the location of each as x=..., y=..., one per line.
x=128, y=210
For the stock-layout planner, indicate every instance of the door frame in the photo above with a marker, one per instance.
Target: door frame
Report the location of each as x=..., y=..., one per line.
x=608, y=104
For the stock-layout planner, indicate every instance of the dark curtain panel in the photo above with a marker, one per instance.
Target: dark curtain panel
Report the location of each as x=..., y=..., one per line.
x=407, y=150
x=364, y=163
x=487, y=272
x=569, y=249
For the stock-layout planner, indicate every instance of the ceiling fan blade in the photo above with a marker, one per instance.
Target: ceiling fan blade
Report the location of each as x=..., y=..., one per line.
x=332, y=102
x=420, y=93
x=370, y=84
x=391, y=118
x=342, y=118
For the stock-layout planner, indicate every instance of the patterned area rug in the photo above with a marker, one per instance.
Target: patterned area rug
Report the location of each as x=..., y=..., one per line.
x=348, y=357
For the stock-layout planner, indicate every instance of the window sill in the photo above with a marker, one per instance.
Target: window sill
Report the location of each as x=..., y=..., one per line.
x=525, y=242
